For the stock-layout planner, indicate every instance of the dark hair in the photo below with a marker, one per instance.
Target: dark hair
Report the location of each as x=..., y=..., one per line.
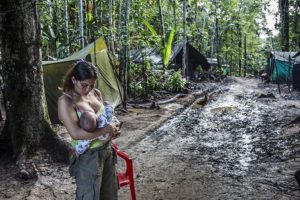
x=81, y=70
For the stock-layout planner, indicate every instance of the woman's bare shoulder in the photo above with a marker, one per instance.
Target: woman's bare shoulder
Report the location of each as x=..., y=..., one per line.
x=65, y=99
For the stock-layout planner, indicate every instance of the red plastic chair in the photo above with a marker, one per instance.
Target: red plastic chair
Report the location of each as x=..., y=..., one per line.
x=126, y=178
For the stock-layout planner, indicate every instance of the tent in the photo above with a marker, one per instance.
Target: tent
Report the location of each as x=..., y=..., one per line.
x=296, y=76
x=194, y=59
x=281, y=66
x=107, y=83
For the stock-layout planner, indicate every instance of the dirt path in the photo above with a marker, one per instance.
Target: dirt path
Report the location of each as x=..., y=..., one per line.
x=234, y=147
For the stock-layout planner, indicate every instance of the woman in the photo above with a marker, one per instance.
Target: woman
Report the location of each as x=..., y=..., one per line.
x=93, y=164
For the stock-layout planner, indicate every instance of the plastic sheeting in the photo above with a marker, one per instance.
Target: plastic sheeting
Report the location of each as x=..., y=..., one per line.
x=296, y=76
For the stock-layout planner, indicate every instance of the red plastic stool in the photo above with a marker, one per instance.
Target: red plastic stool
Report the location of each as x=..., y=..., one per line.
x=126, y=177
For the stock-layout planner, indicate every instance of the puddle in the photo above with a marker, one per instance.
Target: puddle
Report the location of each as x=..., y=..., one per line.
x=223, y=109
x=237, y=142
x=173, y=106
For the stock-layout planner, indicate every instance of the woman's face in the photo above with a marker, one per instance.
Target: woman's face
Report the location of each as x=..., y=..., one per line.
x=84, y=87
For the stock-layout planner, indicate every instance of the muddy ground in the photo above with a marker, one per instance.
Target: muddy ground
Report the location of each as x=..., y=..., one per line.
x=236, y=144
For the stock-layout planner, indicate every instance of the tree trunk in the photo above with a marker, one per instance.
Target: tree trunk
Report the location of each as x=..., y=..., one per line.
x=66, y=18
x=174, y=14
x=296, y=27
x=217, y=35
x=101, y=13
x=80, y=17
x=162, y=27
x=119, y=10
x=284, y=25
x=111, y=27
x=245, y=55
x=52, y=42
x=27, y=120
x=124, y=57
x=231, y=69
x=184, y=60
x=240, y=48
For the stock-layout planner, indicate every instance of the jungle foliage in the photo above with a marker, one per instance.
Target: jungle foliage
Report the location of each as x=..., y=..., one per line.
x=233, y=31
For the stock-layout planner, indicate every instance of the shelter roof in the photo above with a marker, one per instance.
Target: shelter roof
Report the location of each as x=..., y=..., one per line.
x=297, y=54
x=285, y=56
x=100, y=45
x=151, y=54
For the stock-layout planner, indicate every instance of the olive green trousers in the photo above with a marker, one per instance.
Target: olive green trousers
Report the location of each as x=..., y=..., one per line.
x=95, y=174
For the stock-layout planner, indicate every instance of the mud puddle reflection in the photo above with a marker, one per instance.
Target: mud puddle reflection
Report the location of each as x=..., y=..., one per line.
x=232, y=148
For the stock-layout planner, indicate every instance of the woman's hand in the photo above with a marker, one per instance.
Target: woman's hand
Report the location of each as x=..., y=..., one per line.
x=115, y=130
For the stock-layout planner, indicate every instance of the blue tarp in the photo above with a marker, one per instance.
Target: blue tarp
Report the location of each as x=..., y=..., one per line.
x=281, y=66
x=284, y=70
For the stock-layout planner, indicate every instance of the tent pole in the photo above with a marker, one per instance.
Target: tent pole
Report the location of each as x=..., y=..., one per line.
x=93, y=35
x=274, y=65
x=277, y=78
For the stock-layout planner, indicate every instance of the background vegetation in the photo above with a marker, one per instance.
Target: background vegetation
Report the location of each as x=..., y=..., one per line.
x=233, y=31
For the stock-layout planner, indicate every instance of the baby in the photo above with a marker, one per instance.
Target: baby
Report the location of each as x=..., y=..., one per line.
x=90, y=121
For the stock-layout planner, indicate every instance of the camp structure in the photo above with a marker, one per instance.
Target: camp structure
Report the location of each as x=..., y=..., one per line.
x=193, y=57
x=283, y=67
x=139, y=56
x=296, y=72
x=107, y=83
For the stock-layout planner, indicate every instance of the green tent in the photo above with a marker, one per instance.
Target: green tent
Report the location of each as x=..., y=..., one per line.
x=107, y=83
x=280, y=66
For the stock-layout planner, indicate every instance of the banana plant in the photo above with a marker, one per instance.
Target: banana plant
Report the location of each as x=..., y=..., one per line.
x=167, y=49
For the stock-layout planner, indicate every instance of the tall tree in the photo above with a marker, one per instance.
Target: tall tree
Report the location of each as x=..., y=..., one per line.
x=81, y=31
x=124, y=53
x=161, y=19
x=111, y=26
x=295, y=28
x=53, y=38
x=27, y=120
x=66, y=19
x=216, y=2
x=245, y=54
x=284, y=24
x=184, y=60
x=174, y=14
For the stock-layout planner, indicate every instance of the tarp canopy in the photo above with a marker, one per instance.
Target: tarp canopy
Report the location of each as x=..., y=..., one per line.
x=194, y=57
x=281, y=65
x=296, y=76
x=151, y=54
x=107, y=83
x=286, y=56
x=297, y=54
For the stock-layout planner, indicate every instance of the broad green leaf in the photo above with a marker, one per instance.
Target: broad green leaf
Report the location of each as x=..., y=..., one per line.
x=151, y=29
x=168, y=49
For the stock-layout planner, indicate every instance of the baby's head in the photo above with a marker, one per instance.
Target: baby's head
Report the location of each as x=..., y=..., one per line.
x=88, y=121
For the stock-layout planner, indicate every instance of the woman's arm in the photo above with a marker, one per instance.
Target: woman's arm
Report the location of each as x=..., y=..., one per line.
x=68, y=116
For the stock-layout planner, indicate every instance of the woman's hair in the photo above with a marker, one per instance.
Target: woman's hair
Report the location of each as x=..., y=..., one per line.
x=81, y=70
